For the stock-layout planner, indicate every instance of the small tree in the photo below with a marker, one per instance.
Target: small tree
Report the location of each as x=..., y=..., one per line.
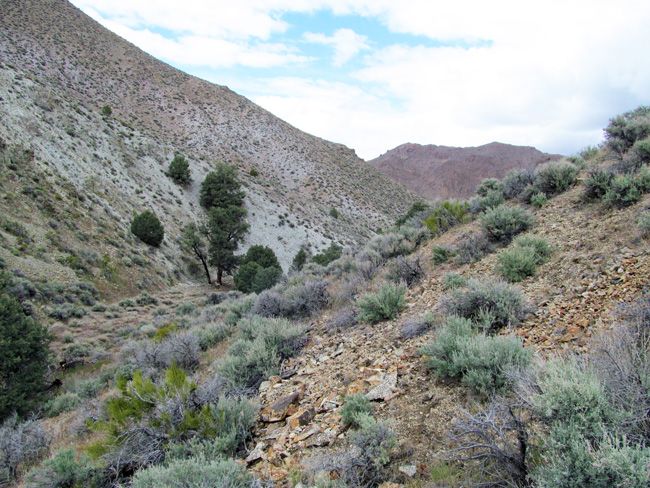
x=148, y=228
x=226, y=228
x=299, y=259
x=24, y=356
x=193, y=240
x=259, y=269
x=179, y=170
x=221, y=188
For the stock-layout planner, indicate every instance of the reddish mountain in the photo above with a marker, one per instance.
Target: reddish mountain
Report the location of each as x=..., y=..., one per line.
x=436, y=172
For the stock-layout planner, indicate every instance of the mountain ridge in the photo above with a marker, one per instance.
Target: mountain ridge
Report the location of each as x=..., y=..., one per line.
x=441, y=172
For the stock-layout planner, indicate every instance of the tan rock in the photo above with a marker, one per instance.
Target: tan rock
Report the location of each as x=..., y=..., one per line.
x=302, y=417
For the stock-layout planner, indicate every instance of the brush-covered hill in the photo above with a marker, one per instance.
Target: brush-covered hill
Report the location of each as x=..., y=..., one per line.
x=88, y=171
x=506, y=345
x=439, y=172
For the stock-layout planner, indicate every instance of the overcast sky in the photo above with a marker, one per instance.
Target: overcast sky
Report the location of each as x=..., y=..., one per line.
x=373, y=74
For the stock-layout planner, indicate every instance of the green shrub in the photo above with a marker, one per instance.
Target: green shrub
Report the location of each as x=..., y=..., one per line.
x=62, y=403
x=626, y=129
x=441, y=254
x=503, y=223
x=160, y=414
x=353, y=407
x=538, y=200
x=555, y=177
x=259, y=270
x=517, y=263
x=491, y=304
x=179, y=170
x=642, y=179
x=451, y=281
x=644, y=223
x=641, y=151
x=386, y=304
x=24, y=358
x=516, y=182
x=543, y=249
x=299, y=259
x=416, y=209
x=481, y=204
x=622, y=191
x=147, y=228
x=264, y=343
x=334, y=213
x=64, y=470
x=489, y=185
x=332, y=253
x=571, y=462
x=445, y=215
x=588, y=153
x=471, y=247
x=597, y=183
x=571, y=393
x=195, y=473
x=481, y=362
x=106, y=111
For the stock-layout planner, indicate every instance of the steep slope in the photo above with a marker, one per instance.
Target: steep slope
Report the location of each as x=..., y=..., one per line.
x=59, y=68
x=454, y=172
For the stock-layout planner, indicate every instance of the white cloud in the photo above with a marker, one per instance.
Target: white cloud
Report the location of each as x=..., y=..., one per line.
x=200, y=50
x=553, y=74
x=346, y=43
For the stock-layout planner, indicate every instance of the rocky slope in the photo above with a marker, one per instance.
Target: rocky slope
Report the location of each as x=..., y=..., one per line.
x=440, y=172
x=58, y=68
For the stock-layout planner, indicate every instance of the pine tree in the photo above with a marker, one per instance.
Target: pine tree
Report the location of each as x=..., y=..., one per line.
x=226, y=228
x=179, y=170
x=221, y=188
x=193, y=240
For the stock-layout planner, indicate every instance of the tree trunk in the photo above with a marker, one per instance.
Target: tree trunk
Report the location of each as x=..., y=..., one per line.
x=207, y=270
x=219, y=276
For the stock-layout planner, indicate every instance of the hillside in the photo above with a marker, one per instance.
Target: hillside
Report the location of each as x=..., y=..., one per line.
x=440, y=172
x=59, y=68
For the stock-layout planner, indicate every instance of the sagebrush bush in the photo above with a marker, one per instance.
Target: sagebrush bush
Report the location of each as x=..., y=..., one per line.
x=517, y=263
x=62, y=403
x=365, y=462
x=385, y=304
x=195, y=473
x=406, y=270
x=488, y=185
x=416, y=326
x=543, y=249
x=555, y=177
x=150, y=416
x=644, y=223
x=503, y=223
x=626, y=129
x=21, y=443
x=445, y=215
x=491, y=304
x=472, y=247
x=343, y=319
x=264, y=343
x=441, y=254
x=516, y=181
x=65, y=469
x=538, y=200
x=389, y=246
x=297, y=301
x=147, y=228
x=480, y=362
x=353, y=407
x=452, y=281
x=490, y=200
x=597, y=183
x=622, y=192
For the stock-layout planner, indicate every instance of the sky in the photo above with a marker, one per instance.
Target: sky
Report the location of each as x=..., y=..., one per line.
x=374, y=74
